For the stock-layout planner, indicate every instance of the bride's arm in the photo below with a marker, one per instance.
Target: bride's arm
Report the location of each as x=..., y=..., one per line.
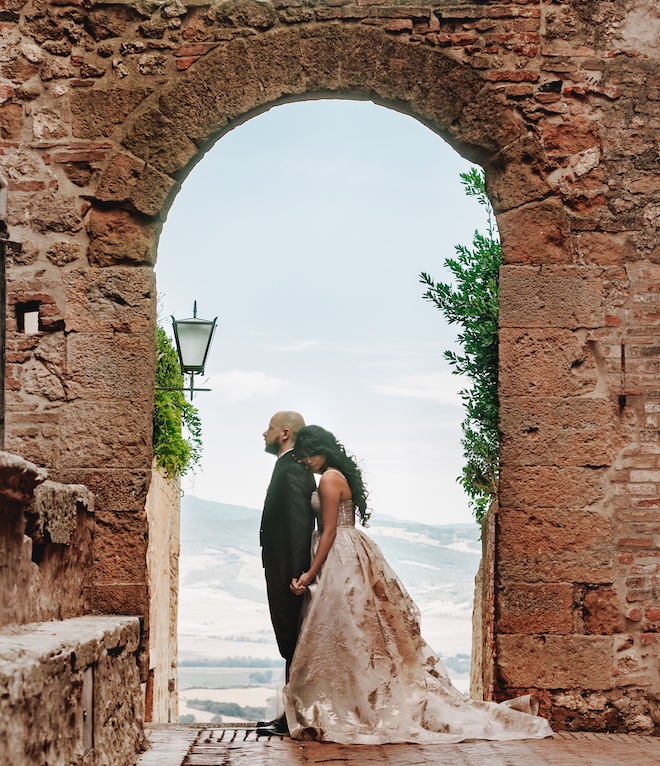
x=330, y=489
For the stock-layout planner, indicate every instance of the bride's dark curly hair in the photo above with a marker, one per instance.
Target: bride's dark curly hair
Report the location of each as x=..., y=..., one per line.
x=314, y=440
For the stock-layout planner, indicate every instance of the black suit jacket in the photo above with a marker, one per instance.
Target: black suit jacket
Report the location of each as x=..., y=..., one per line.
x=288, y=520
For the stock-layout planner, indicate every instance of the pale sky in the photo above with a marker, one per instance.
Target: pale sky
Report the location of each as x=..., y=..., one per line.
x=304, y=231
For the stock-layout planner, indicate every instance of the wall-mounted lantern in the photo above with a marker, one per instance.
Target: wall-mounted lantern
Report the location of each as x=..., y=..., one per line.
x=193, y=338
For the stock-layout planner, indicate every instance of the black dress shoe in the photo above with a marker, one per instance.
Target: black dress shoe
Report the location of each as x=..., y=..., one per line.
x=278, y=727
x=275, y=722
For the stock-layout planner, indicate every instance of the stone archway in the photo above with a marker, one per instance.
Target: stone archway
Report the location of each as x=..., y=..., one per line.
x=108, y=108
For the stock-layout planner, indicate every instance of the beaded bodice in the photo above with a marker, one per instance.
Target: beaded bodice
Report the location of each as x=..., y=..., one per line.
x=345, y=516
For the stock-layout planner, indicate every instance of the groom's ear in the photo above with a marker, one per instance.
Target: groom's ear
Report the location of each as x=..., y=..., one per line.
x=286, y=434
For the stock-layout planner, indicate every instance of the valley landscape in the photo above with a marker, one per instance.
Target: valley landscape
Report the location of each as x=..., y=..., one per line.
x=227, y=650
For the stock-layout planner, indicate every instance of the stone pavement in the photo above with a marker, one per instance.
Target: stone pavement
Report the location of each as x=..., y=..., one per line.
x=195, y=745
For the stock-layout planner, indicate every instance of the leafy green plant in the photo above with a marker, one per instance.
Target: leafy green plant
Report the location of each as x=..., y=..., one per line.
x=472, y=302
x=173, y=452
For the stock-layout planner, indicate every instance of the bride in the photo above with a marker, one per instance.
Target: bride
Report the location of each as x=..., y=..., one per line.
x=362, y=673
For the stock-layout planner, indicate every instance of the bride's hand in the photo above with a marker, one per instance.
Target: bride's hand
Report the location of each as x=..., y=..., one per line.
x=299, y=586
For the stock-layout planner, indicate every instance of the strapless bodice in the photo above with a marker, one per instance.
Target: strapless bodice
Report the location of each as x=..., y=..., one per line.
x=345, y=517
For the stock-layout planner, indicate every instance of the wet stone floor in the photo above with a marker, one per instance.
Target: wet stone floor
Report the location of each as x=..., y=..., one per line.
x=198, y=745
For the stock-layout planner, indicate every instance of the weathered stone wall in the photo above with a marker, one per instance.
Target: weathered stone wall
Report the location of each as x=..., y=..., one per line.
x=70, y=693
x=483, y=655
x=45, y=545
x=108, y=105
x=163, y=510
x=69, y=683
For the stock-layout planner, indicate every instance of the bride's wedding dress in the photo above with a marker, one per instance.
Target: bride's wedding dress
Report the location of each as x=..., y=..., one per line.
x=363, y=674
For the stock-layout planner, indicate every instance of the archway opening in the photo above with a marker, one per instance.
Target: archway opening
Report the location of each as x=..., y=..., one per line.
x=305, y=230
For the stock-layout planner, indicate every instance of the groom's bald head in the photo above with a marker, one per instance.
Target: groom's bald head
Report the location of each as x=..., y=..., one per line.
x=292, y=420
x=282, y=431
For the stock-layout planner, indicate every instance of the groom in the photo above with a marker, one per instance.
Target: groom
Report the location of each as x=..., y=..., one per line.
x=286, y=531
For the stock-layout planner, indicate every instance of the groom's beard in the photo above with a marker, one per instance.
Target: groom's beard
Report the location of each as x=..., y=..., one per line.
x=272, y=448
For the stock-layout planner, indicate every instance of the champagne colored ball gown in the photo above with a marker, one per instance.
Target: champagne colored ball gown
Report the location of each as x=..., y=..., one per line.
x=363, y=674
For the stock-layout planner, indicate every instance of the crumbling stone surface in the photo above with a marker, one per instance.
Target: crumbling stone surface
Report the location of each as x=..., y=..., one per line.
x=45, y=545
x=53, y=512
x=18, y=477
x=42, y=682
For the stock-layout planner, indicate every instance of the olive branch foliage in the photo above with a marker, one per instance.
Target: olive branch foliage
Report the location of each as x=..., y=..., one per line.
x=472, y=303
x=174, y=453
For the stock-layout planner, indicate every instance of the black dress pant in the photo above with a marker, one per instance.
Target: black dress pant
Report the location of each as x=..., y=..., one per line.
x=285, y=612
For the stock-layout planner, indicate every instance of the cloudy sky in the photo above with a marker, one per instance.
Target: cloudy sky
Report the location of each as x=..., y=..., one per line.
x=304, y=231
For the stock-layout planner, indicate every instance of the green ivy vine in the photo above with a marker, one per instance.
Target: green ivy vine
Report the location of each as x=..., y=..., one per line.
x=174, y=453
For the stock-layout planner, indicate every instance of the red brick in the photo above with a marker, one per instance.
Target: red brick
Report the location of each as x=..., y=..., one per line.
x=184, y=63
x=26, y=186
x=602, y=613
x=528, y=608
x=399, y=25
x=80, y=156
x=198, y=49
x=520, y=75
x=637, y=542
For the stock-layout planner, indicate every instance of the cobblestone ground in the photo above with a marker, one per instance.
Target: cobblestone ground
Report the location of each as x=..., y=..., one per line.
x=180, y=745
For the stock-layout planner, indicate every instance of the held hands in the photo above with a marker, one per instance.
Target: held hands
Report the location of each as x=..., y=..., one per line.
x=299, y=586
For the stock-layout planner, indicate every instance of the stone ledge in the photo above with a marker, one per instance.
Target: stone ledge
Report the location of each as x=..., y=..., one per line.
x=19, y=477
x=53, y=512
x=26, y=649
x=53, y=675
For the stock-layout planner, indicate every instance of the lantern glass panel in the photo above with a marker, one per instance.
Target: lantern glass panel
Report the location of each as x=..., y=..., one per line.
x=193, y=338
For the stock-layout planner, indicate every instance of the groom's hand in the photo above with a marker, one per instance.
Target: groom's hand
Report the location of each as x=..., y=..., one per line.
x=299, y=585
x=296, y=588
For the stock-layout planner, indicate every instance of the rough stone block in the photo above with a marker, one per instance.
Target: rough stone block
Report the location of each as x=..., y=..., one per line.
x=545, y=362
x=555, y=662
x=486, y=125
x=118, y=237
x=98, y=112
x=120, y=548
x=360, y=57
x=61, y=253
x=560, y=432
x=278, y=69
x=112, y=21
x=117, y=366
x=554, y=546
x=554, y=296
x=321, y=57
x=602, y=611
x=106, y=435
x=606, y=249
x=55, y=213
x=551, y=486
x=11, y=122
x=18, y=477
x=517, y=174
x=529, y=608
x=128, y=180
x=159, y=142
x=29, y=441
x=571, y=137
x=54, y=511
x=120, y=599
x=536, y=233
x=111, y=299
x=116, y=489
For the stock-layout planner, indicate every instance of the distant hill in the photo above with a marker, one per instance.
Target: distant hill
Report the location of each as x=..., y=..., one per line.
x=223, y=607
